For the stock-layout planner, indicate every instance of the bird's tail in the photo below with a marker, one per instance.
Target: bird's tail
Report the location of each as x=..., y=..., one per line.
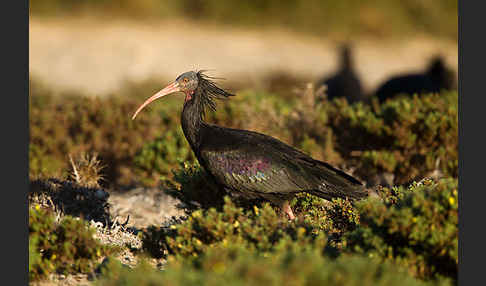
x=337, y=183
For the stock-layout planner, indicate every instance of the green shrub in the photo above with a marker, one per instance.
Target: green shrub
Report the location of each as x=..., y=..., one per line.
x=334, y=218
x=67, y=246
x=211, y=211
x=74, y=124
x=258, y=229
x=194, y=187
x=35, y=258
x=416, y=227
x=236, y=265
x=372, y=18
x=409, y=137
x=159, y=156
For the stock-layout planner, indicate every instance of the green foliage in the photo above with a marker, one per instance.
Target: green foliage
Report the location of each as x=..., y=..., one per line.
x=416, y=227
x=409, y=137
x=258, y=229
x=375, y=18
x=261, y=229
x=163, y=154
x=334, y=218
x=34, y=255
x=236, y=265
x=216, y=219
x=41, y=161
x=69, y=124
x=193, y=186
x=65, y=247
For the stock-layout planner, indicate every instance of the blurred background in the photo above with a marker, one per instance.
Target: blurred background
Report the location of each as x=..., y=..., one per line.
x=96, y=46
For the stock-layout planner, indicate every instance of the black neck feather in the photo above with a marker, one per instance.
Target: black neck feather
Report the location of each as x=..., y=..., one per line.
x=192, y=121
x=192, y=118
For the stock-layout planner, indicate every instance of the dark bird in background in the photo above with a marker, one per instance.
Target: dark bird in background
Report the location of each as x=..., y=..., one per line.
x=345, y=83
x=437, y=77
x=252, y=164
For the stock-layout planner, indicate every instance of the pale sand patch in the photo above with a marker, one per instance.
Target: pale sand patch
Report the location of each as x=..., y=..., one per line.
x=145, y=206
x=98, y=56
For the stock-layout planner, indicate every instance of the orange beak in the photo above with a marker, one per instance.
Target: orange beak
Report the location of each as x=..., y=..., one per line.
x=171, y=88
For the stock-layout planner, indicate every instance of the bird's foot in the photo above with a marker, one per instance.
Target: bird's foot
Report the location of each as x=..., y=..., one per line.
x=288, y=210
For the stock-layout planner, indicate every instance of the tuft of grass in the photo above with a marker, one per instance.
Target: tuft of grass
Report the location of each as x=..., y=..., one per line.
x=86, y=170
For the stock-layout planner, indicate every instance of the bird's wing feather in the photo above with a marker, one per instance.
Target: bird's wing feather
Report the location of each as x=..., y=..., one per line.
x=254, y=162
x=250, y=171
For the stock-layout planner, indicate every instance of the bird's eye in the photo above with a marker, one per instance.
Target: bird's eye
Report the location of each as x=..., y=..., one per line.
x=185, y=80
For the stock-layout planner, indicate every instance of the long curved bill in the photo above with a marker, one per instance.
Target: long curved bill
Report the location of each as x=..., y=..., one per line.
x=171, y=88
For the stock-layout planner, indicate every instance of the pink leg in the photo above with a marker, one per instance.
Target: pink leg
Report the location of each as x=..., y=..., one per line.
x=286, y=209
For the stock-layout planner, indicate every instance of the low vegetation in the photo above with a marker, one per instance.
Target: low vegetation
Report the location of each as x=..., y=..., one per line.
x=64, y=246
x=414, y=227
x=322, y=18
x=237, y=266
x=403, y=234
x=408, y=138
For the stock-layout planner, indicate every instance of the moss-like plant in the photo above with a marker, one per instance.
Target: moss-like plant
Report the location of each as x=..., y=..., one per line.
x=65, y=246
x=416, y=227
x=258, y=229
x=408, y=136
x=236, y=265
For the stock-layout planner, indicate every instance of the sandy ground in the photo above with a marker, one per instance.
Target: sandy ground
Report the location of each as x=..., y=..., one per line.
x=97, y=56
x=145, y=206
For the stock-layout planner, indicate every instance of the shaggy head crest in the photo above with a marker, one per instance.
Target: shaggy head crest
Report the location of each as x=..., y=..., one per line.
x=208, y=91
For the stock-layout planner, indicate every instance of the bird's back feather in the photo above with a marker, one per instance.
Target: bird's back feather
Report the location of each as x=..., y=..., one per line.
x=259, y=164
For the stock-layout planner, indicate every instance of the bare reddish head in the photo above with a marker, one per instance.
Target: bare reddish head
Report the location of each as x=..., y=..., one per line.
x=186, y=82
